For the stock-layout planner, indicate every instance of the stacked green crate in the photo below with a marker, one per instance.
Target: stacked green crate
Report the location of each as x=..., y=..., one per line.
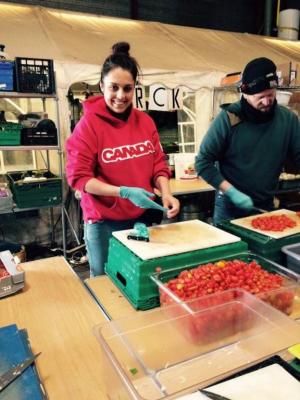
x=131, y=274
x=10, y=134
x=44, y=189
x=263, y=245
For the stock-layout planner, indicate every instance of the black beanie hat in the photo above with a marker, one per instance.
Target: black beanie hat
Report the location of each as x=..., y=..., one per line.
x=259, y=75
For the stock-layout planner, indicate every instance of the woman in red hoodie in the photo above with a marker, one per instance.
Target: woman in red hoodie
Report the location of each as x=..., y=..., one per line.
x=115, y=159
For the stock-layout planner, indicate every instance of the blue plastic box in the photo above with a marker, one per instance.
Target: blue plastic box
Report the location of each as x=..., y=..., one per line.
x=6, y=76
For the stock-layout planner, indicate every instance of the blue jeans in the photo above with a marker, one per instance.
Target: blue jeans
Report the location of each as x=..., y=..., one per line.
x=97, y=235
x=226, y=210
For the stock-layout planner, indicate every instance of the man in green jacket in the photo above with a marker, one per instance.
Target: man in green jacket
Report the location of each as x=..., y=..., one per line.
x=243, y=152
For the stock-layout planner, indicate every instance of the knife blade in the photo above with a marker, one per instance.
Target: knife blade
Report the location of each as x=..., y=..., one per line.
x=260, y=210
x=213, y=396
x=14, y=372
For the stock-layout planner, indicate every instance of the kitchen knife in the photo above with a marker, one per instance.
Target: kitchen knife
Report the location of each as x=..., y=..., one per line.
x=260, y=210
x=14, y=372
x=213, y=396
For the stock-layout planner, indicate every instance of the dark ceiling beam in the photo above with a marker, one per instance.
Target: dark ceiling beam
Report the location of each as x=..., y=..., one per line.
x=268, y=17
x=134, y=9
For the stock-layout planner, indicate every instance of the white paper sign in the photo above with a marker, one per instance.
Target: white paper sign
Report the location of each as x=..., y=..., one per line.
x=158, y=98
x=175, y=99
x=140, y=98
x=165, y=99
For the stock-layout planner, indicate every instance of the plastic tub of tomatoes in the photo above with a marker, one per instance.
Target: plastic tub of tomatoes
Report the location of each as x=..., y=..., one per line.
x=201, y=286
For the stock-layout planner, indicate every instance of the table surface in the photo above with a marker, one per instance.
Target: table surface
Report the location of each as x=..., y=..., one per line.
x=59, y=315
x=188, y=186
x=113, y=303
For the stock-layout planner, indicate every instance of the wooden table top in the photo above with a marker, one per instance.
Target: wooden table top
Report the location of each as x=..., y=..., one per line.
x=181, y=186
x=113, y=303
x=59, y=315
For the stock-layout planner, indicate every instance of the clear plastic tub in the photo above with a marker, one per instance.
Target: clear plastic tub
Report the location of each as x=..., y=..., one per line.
x=147, y=357
x=285, y=298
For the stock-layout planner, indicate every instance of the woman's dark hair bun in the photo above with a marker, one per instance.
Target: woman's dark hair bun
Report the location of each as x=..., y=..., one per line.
x=120, y=58
x=121, y=48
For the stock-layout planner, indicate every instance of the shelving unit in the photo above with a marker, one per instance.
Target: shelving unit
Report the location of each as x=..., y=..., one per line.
x=58, y=148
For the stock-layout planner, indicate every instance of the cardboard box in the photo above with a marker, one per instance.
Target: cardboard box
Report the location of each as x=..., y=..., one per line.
x=231, y=79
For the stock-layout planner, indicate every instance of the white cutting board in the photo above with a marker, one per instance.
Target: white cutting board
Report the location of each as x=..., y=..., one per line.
x=180, y=237
x=246, y=223
x=269, y=383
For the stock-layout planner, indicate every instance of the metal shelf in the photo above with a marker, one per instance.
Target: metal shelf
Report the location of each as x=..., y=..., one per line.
x=27, y=95
x=16, y=209
x=57, y=147
x=3, y=148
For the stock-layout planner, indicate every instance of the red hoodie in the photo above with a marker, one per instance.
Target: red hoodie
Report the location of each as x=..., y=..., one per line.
x=120, y=153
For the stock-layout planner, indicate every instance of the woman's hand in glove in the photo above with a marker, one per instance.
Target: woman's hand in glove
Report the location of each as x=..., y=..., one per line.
x=140, y=197
x=239, y=199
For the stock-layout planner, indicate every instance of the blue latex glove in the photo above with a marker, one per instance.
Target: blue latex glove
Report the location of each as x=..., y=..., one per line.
x=239, y=199
x=140, y=197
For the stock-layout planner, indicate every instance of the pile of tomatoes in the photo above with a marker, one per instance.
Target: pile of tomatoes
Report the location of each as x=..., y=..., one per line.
x=275, y=223
x=218, y=316
x=217, y=277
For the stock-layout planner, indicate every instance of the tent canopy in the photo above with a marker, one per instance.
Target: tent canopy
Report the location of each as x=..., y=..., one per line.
x=166, y=53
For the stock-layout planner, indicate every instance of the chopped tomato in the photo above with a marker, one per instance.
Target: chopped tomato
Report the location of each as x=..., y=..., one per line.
x=276, y=223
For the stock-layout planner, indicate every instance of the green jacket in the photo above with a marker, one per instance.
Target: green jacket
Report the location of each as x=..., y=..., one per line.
x=250, y=156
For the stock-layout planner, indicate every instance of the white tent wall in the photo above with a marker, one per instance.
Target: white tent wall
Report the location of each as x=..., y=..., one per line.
x=203, y=113
x=168, y=54
x=87, y=39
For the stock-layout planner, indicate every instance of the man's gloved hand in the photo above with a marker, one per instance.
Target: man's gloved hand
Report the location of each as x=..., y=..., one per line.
x=140, y=197
x=239, y=199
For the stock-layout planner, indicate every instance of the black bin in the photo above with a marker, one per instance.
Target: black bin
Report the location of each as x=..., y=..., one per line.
x=34, y=75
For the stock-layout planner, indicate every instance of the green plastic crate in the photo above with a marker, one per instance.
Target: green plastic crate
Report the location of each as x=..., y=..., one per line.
x=131, y=274
x=30, y=194
x=261, y=244
x=10, y=134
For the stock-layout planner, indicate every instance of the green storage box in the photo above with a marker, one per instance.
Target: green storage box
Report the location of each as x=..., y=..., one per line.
x=261, y=244
x=131, y=274
x=10, y=134
x=35, y=188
